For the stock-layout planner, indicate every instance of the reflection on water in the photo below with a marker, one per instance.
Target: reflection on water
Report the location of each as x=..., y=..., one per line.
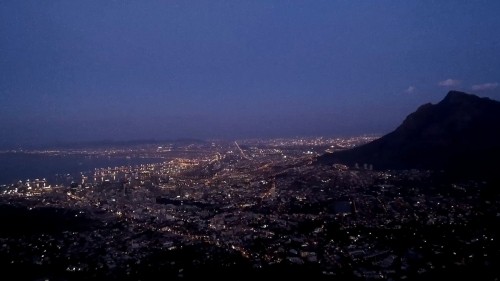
x=58, y=168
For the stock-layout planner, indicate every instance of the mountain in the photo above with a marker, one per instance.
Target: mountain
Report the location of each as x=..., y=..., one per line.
x=460, y=134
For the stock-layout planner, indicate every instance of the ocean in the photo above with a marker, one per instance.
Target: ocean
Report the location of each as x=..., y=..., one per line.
x=23, y=166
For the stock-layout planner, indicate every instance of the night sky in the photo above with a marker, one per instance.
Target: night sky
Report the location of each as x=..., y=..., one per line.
x=127, y=70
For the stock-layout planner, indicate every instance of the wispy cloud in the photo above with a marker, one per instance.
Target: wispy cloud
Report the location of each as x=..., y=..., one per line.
x=449, y=83
x=485, y=86
x=410, y=90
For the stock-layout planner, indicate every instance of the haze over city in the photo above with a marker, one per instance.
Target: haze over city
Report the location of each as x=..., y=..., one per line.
x=124, y=70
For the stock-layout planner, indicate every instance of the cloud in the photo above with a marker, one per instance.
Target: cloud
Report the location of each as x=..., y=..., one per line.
x=410, y=90
x=449, y=83
x=484, y=87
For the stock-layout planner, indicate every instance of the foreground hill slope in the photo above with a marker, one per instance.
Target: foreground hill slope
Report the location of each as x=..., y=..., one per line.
x=460, y=134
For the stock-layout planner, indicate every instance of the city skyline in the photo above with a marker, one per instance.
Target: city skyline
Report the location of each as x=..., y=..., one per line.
x=124, y=70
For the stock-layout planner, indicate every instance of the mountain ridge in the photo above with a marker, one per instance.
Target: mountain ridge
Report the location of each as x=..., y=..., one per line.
x=460, y=134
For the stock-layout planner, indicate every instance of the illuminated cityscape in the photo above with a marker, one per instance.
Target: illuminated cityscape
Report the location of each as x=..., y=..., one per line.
x=247, y=209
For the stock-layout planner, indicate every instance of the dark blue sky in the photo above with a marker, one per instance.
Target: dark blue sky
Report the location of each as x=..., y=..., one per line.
x=115, y=70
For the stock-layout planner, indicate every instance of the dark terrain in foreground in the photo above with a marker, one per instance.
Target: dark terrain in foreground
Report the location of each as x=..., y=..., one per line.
x=406, y=225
